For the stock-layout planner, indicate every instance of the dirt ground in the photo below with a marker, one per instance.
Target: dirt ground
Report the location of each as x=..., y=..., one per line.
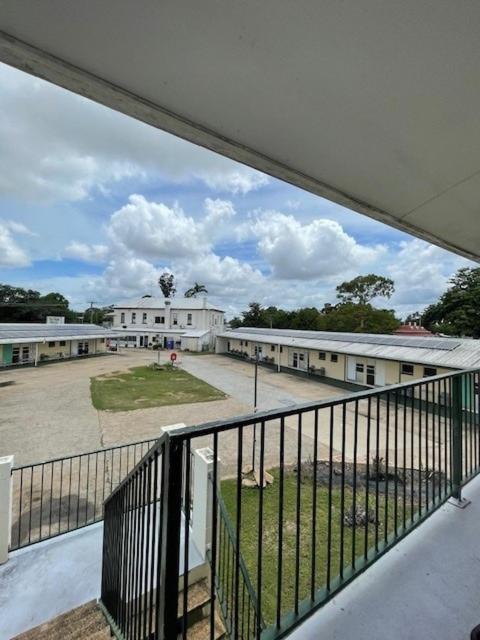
x=47, y=412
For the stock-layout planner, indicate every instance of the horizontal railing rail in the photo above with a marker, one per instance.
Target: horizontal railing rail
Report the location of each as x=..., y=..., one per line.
x=313, y=494
x=55, y=496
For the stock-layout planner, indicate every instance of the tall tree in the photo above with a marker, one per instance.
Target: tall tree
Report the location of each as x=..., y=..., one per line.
x=457, y=312
x=362, y=289
x=166, y=282
x=194, y=291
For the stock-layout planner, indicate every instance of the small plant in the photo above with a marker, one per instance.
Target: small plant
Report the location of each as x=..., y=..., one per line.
x=378, y=470
x=359, y=517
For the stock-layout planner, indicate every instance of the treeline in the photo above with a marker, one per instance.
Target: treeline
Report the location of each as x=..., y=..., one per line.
x=27, y=305
x=353, y=313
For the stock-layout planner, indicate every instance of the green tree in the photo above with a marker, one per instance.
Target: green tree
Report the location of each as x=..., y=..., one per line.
x=195, y=290
x=360, y=318
x=457, y=312
x=27, y=305
x=166, y=282
x=362, y=289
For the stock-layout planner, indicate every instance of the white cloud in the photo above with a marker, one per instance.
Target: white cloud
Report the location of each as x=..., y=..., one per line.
x=95, y=253
x=421, y=272
x=235, y=181
x=62, y=146
x=318, y=249
x=11, y=254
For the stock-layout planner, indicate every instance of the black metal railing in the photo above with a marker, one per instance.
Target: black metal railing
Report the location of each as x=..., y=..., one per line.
x=56, y=496
x=228, y=591
x=334, y=485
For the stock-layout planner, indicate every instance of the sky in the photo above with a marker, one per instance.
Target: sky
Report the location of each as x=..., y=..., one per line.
x=96, y=205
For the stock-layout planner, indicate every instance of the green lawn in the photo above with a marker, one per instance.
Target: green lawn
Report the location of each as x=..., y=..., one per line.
x=249, y=535
x=145, y=387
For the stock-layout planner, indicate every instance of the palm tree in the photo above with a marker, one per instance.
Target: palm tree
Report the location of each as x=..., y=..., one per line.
x=195, y=290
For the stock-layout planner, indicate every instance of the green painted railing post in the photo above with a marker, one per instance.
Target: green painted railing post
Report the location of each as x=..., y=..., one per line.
x=456, y=407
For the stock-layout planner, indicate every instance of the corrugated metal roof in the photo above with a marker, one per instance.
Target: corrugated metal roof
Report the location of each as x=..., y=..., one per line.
x=444, y=352
x=31, y=332
x=159, y=303
x=198, y=333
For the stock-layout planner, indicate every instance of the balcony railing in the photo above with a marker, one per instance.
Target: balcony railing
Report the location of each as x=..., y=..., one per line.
x=55, y=496
x=329, y=487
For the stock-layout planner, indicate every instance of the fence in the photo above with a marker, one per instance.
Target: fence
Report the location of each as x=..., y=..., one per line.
x=347, y=479
x=56, y=496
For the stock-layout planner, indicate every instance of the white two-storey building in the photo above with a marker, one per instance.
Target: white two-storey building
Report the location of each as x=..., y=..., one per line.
x=190, y=324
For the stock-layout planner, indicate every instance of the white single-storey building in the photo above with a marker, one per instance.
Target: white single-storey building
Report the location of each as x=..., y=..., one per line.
x=31, y=343
x=352, y=359
x=190, y=324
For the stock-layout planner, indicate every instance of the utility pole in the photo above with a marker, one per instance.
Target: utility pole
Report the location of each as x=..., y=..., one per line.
x=92, y=302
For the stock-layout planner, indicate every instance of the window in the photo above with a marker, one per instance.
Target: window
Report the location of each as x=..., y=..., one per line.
x=406, y=369
x=122, y=318
x=281, y=349
x=429, y=371
x=334, y=357
x=246, y=343
x=175, y=318
x=189, y=319
x=62, y=343
x=102, y=340
x=301, y=357
x=51, y=344
x=272, y=347
x=159, y=319
x=241, y=343
x=359, y=368
x=322, y=355
x=134, y=318
x=144, y=318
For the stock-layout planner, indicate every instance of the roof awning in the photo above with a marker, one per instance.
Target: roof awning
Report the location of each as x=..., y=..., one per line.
x=374, y=105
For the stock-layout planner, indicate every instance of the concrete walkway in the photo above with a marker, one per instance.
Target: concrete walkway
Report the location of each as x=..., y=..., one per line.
x=426, y=588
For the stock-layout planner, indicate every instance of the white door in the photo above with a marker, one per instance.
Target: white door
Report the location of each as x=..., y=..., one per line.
x=351, y=368
x=380, y=373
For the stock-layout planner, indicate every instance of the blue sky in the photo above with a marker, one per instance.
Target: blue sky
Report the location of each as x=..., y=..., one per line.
x=96, y=205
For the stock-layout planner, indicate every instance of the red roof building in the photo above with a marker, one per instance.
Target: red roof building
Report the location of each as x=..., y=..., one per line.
x=413, y=329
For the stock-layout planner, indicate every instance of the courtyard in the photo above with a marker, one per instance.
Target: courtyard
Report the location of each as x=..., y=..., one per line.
x=47, y=412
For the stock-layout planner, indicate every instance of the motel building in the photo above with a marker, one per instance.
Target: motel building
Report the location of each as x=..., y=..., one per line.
x=31, y=343
x=189, y=324
x=352, y=360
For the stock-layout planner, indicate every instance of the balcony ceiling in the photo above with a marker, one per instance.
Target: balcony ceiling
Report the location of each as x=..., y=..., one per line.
x=372, y=104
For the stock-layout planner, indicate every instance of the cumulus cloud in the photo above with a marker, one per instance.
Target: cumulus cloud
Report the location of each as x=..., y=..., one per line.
x=67, y=146
x=317, y=249
x=421, y=272
x=11, y=254
x=95, y=253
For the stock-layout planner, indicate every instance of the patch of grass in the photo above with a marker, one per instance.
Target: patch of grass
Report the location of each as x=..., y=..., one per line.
x=145, y=387
x=250, y=536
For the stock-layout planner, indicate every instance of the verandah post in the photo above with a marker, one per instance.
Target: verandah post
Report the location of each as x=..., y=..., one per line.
x=457, y=459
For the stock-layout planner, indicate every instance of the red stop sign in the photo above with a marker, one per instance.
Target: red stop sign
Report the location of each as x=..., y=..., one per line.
x=173, y=356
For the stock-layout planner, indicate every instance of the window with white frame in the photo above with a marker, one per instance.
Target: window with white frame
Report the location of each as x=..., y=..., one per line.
x=144, y=318
x=174, y=318
x=134, y=318
x=189, y=319
x=406, y=369
x=122, y=317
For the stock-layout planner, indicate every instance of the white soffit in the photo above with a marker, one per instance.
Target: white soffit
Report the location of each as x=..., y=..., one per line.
x=372, y=104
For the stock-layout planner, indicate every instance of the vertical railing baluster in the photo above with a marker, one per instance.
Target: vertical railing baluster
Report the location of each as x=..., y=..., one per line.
x=280, y=522
x=330, y=486
x=367, y=479
x=377, y=473
x=387, y=460
x=457, y=428
x=298, y=515
x=354, y=486
x=186, y=541
x=238, y=527
x=342, y=493
x=313, y=551
x=260, y=530
x=213, y=561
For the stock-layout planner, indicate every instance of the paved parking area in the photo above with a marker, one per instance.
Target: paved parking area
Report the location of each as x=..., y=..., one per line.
x=47, y=412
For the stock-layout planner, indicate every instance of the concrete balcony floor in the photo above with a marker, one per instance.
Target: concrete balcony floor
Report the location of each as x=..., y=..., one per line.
x=427, y=587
